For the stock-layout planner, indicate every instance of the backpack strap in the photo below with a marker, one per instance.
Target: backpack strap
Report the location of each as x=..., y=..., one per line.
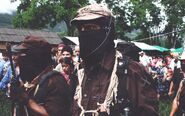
x=122, y=73
x=121, y=104
x=39, y=90
x=47, y=76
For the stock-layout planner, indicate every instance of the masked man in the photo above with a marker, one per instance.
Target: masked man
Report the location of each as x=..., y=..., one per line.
x=109, y=82
x=40, y=90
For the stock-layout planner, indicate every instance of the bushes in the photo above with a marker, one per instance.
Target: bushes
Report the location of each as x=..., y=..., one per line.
x=5, y=105
x=165, y=107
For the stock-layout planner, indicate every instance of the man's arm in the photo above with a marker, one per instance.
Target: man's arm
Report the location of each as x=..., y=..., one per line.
x=142, y=91
x=37, y=108
x=175, y=103
x=6, y=79
x=170, y=92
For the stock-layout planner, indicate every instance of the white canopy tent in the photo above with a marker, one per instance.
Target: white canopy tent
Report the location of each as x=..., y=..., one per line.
x=144, y=46
x=72, y=39
x=141, y=45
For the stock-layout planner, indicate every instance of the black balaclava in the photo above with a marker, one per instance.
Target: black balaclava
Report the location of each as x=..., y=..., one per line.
x=33, y=64
x=37, y=57
x=93, y=44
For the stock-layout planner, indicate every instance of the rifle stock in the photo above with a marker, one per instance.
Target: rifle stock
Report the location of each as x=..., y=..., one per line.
x=14, y=82
x=14, y=79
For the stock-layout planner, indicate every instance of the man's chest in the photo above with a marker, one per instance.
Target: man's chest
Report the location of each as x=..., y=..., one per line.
x=94, y=89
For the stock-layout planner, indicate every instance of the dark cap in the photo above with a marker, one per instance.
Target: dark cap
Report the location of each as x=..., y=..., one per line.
x=182, y=57
x=32, y=42
x=90, y=12
x=68, y=49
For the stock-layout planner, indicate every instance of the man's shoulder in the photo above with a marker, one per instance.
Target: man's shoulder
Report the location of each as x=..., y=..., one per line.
x=136, y=64
x=132, y=64
x=50, y=75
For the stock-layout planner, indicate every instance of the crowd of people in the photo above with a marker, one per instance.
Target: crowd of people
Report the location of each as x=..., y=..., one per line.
x=92, y=79
x=165, y=70
x=168, y=74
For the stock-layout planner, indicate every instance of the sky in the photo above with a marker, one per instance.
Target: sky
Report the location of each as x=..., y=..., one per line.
x=7, y=7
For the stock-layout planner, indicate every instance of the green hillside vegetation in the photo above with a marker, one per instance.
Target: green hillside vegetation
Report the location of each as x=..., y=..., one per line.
x=6, y=20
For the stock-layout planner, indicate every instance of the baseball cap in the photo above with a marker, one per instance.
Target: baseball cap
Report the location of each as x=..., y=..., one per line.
x=90, y=12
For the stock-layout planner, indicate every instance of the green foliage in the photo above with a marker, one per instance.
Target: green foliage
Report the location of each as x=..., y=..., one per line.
x=164, y=107
x=37, y=14
x=5, y=105
x=175, y=11
x=148, y=16
x=143, y=15
x=134, y=14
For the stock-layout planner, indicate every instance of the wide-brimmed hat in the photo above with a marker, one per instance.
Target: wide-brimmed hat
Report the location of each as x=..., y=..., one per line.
x=90, y=12
x=30, y=43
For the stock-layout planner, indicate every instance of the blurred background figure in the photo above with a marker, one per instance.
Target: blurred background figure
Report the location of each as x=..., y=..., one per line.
x=67, y=71
x=175, y=66
x=59, y=51
x=4, y=62
x=67, y=67
x=66, y=51
x=76, y=58
x=144, y=59
x=178, y=104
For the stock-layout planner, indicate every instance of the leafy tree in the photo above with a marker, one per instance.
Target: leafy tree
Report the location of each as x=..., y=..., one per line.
x=37, y=14
x=142, y=15
x=175, y=13
x=146, y=15
x=134, y=14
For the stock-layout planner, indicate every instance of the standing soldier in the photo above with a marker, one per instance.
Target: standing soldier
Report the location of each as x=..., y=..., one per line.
x=38, y=90
x=109, y=82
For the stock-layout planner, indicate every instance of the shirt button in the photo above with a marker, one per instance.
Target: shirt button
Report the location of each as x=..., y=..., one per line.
x=85, y=95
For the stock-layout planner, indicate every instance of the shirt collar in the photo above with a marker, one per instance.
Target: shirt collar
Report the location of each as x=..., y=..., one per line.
x=108, y=60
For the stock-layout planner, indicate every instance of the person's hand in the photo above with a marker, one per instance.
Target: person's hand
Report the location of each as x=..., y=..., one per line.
x=176, y=102
x=175, y=105
x=18, y=94
x=170, y=93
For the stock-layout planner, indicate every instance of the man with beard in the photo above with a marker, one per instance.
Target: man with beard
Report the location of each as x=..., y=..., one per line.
x=109, y=82
x=40, y=90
